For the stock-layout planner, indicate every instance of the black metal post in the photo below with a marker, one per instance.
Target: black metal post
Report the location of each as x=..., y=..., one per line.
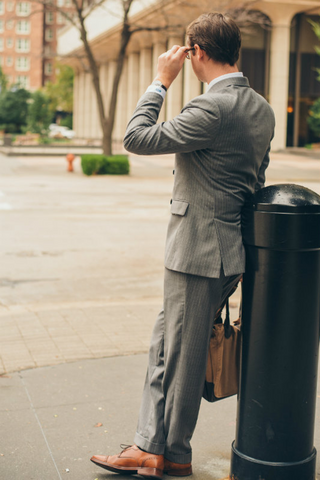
x=280, y=337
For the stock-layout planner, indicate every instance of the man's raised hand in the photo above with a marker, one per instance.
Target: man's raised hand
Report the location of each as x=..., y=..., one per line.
x=170, y=64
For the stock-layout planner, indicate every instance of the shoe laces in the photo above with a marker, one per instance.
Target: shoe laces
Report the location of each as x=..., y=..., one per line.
x=124, y=447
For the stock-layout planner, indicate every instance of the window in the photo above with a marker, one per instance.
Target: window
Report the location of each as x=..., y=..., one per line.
x=49, y=34
x=49, y=17
x=22, y=81
x=48, y=68
x=10, y=6
x=9, y=61
x=23, y=26
x=1, y=7
x=60, y=3
x=9, y=42
x=23, y=45
x=22, y=64
x=48, y=52
x=1, y=44
x=23, y=9
x=60, y=19
x=10, y=24
x=1, y=25
x=68, y=3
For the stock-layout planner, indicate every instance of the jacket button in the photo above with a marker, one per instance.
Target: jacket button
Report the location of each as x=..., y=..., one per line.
x=173, y=172
x=171, y=201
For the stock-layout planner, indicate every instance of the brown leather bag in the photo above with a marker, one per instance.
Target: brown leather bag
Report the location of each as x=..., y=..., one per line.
x=222, y=376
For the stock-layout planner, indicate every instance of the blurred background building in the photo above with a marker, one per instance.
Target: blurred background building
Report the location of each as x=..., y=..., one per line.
x=28, y=41
x=278, y=56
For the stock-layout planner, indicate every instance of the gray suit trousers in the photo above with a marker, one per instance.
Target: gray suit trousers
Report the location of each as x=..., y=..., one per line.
x=177, y=363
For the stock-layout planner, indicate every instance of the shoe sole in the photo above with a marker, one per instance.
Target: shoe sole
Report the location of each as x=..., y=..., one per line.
x=183, y=472
x=143, y=471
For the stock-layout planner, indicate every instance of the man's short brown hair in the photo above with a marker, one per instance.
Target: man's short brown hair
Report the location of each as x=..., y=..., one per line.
x=218, y=35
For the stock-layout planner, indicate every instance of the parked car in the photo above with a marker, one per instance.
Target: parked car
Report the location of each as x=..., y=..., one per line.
x=57, y=131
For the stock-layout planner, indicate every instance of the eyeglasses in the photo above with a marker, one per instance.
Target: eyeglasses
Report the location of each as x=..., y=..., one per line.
x=193, y=49
x=189, y=50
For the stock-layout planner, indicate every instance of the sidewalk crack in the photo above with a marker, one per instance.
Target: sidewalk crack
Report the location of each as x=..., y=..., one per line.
x=40, y=426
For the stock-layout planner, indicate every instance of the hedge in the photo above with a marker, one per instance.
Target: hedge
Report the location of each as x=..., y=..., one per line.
x=94, y=164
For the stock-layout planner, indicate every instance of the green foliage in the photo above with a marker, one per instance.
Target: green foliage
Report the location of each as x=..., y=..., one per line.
x=316, y=29
x=61, y=92
x=3, y=82
x=314, y=118
x=93, y=164
x=39, y=115
x=45, y=141
x=14, y=110
x=67, y=121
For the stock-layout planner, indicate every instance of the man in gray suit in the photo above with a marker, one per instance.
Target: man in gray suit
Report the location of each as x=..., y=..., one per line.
x=221, y=140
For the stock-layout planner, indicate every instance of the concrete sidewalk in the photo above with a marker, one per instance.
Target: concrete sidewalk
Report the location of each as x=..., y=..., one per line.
x=82, y=257
x=80, y=287
x=53, y=419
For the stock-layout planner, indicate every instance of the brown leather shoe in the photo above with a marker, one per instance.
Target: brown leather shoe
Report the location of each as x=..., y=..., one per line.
x=132, y=460
x=177, y=469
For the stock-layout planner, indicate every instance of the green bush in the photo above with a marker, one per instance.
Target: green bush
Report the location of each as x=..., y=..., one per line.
x=66, y=121
x=314, y=118
x=94, y=164
x=45, y=140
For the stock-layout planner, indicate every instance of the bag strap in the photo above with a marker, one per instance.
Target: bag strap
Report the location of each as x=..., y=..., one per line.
x=227, y=327
x=227, y=320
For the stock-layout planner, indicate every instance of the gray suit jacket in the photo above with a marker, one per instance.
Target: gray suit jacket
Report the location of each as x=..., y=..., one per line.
x=221, y=140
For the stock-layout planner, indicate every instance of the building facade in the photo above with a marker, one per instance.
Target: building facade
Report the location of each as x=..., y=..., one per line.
x=278, y=57
x=28, y=41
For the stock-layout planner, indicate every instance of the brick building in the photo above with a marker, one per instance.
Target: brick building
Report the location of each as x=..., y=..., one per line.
x=28, y=41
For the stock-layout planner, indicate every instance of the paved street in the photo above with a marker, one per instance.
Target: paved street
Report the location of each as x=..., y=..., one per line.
x=80, y=287
x=82, y=257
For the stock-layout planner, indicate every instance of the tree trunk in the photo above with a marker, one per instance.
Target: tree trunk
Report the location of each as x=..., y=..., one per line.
x=107, y=123
x=125, y=38
x=107, y=139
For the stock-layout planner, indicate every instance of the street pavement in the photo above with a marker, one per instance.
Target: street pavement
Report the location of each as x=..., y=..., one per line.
x=80, y=288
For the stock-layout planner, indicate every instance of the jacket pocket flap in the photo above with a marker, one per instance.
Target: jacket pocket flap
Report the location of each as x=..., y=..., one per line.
x=178, y=207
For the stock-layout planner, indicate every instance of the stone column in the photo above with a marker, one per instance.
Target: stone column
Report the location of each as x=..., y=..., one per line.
x=110, y=77
x=76, y=103
x=95, y=130
x=281, y=16
x=175, y=92
x=80, y=101
x=121, y=118
x=279, y=81
x=145, y=70
x=191, y=85
x=87, y=105
x=103, y=75
x=133, y=81
x=159, y=47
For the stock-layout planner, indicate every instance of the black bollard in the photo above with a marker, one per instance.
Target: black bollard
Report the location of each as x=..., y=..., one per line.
x=280, y=337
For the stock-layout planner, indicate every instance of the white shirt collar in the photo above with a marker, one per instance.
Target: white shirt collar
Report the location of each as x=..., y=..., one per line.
x=223, y=77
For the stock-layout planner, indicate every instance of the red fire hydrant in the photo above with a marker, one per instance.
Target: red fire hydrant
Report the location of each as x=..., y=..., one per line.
x=70, y=158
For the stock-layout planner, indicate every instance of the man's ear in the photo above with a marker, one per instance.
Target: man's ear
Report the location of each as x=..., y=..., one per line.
x=199, y=52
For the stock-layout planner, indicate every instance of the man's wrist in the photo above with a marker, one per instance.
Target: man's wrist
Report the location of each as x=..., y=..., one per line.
x=157, y=87
x=159, y=83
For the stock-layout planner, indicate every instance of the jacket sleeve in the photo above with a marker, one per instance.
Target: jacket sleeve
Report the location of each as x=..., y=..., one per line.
x=266, y=160
x=195, y=128
x=262, y=171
